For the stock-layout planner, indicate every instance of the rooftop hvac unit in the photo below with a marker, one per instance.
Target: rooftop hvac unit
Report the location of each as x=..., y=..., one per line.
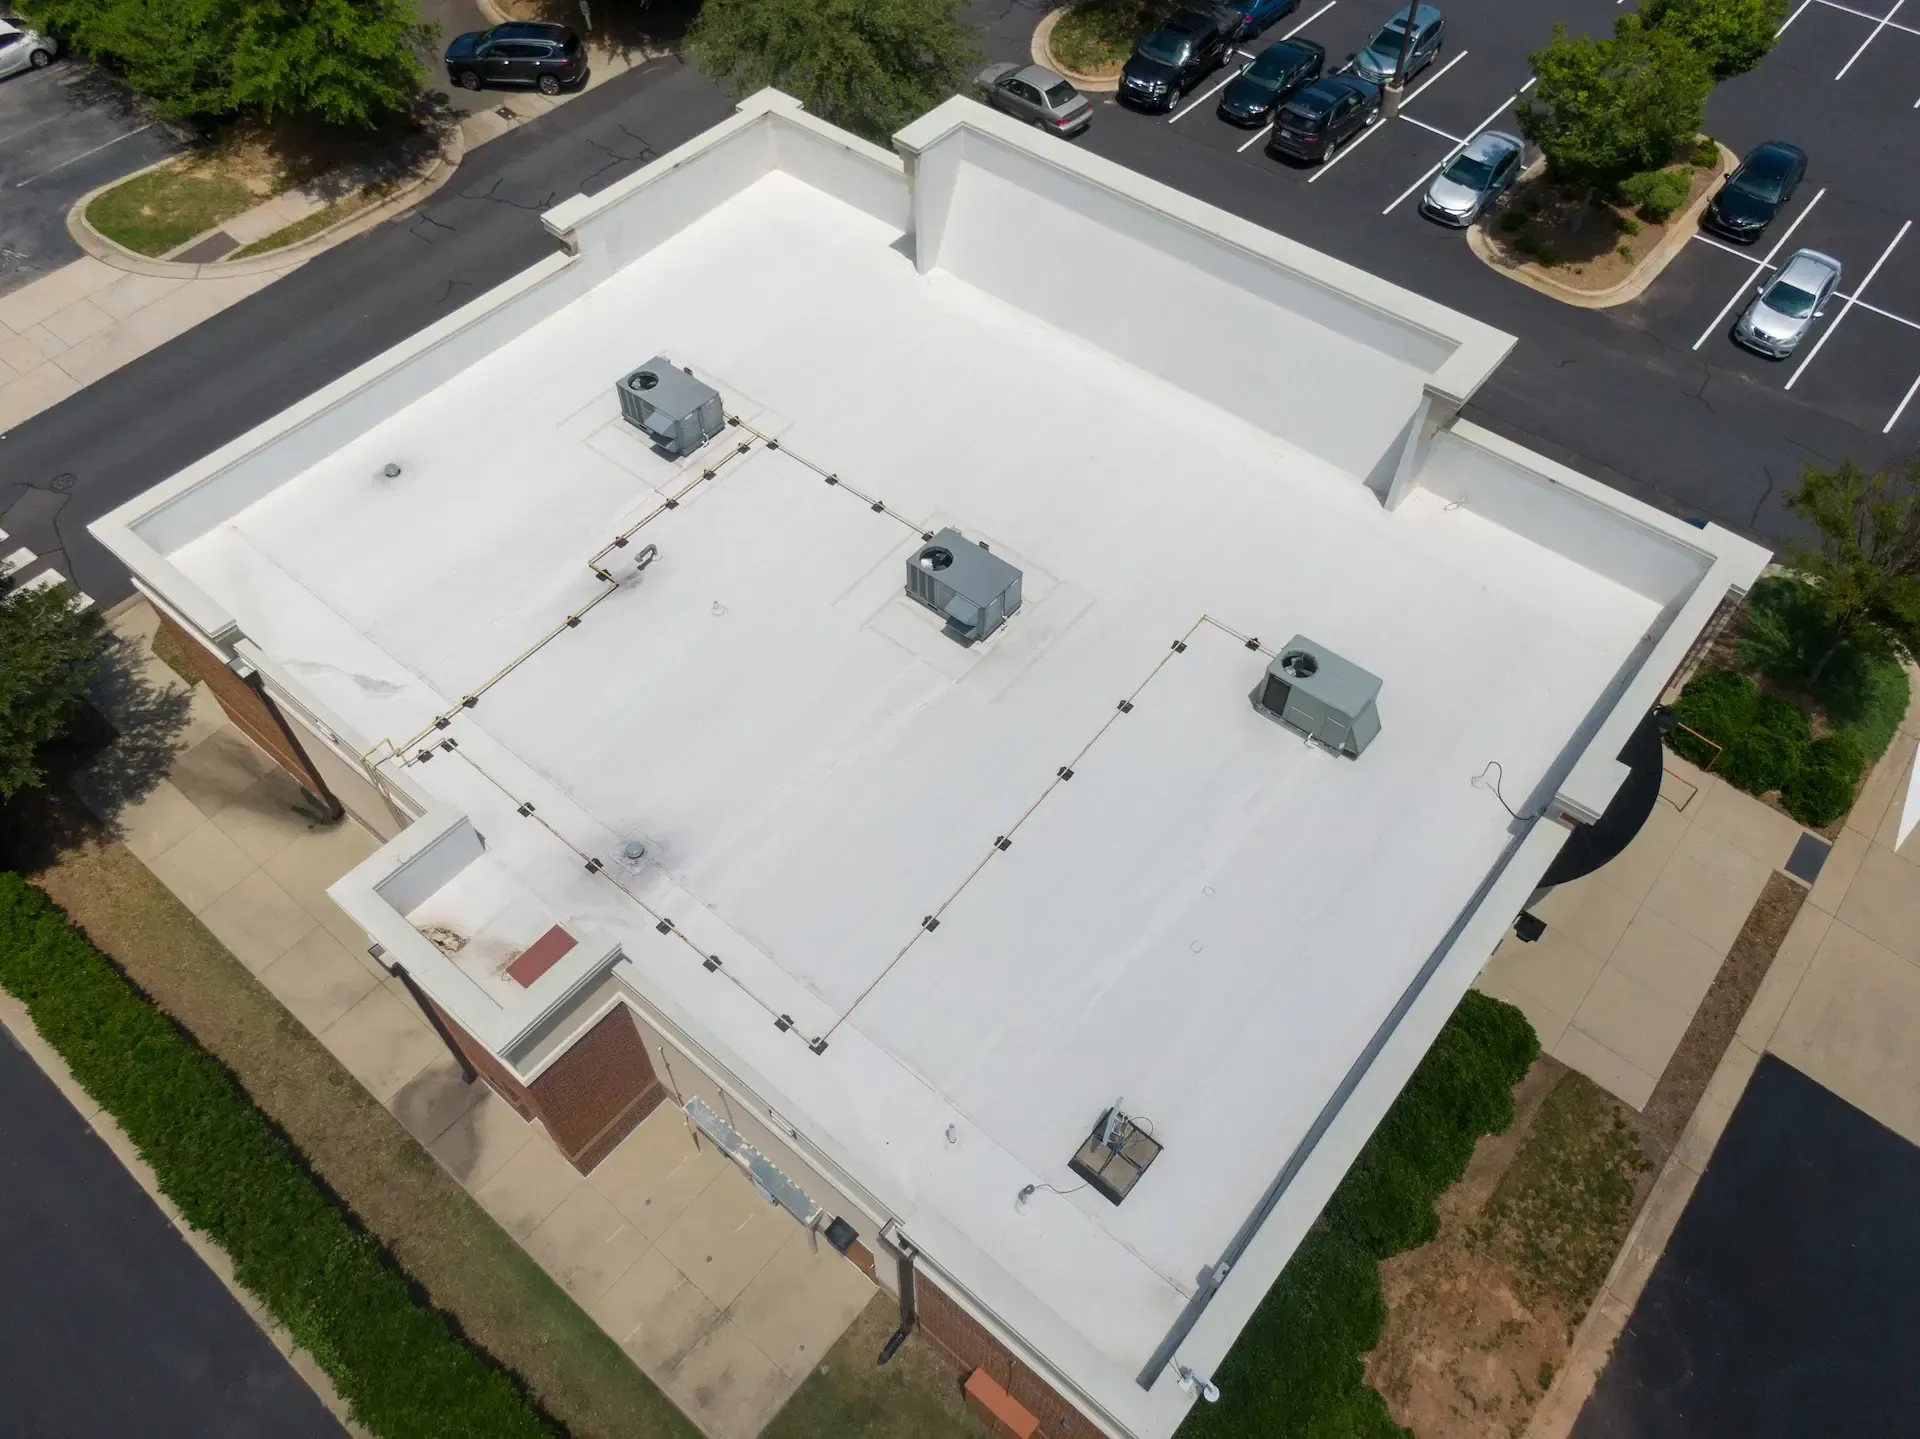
x=1310, y=689
x=678, y=412
x=971, y=588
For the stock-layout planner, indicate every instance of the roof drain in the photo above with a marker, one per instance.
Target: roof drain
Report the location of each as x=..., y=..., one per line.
x=909, y=1309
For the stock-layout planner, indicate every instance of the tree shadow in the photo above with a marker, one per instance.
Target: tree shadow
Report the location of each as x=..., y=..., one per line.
x=626, y=27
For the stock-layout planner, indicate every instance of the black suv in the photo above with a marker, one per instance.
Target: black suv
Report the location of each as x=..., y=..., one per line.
x=1322, y=117
x=548, y=57
x=1176, y=57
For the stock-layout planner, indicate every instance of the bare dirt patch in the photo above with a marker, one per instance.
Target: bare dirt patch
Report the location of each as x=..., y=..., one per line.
x=1581, y=239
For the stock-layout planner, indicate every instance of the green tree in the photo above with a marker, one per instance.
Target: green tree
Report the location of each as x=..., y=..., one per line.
x=869, y=66
x=1732, y=35
x=1865, y=562
x=173, y=53
x=47, y=655
x=347, y=62
x=1608, y=108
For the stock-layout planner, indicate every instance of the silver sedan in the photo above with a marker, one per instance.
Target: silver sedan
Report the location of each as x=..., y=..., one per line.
x=1786, y=306
x=23, y=49
x=1474, y=178
x=1035, y=94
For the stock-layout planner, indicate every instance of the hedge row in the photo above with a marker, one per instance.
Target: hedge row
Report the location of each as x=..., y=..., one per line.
x=399, y=1366
x=1296, y=1367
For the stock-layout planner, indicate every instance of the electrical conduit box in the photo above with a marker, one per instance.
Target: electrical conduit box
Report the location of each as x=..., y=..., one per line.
x=678, y=412
x=971, y=588
x=1329, y=700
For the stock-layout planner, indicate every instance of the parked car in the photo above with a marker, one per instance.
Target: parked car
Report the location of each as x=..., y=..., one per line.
x=1756, y=191
x=1323, y=117
x=1276, y=75
x=1786, y=306
x=23, y=49
x=1035, y=94
x=1380, y=61
x=1175, y=58
x=1255, y=15
x=550, y=58
x=1474, y=178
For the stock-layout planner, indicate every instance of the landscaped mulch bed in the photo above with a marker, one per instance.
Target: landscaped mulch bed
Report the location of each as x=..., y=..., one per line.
x=1578, y=238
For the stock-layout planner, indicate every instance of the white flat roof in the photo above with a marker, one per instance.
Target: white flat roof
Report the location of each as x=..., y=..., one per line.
x=1195, y=911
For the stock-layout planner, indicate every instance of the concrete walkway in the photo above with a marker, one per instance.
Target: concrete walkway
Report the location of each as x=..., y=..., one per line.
x=718, y=1297
x=69, y=328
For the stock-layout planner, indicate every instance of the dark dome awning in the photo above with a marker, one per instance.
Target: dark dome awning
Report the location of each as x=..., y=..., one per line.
x=1592, y=845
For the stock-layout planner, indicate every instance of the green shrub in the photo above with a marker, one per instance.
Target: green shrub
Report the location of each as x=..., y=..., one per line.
x=1706, y=155
x=1719, y=705
x=1295, y=1371
x=1527, y=243
x=403, y=1371
x=1548, y=255
x=1657, y=193
x=1628, y=225
x=1626, y=253
x=1772, y=749
x=1863, y=689
x=1823, y=790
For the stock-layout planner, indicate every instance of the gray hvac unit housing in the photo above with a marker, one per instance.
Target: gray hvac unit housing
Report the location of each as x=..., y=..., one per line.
x=1310, y=689
x=678, y=412
x=966, y=585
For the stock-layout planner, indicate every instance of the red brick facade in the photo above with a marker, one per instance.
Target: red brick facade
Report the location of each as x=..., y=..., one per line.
x=590, y=1098
x=246, y=707
x=967, y=1343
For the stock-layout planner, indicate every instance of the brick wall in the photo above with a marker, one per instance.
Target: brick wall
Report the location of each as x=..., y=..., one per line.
x=969, y=1346
x=244, y=706
x=590, y=1098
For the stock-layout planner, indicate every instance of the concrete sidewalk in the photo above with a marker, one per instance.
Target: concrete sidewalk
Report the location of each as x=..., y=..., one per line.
x=718, y=1297
x=70, y=328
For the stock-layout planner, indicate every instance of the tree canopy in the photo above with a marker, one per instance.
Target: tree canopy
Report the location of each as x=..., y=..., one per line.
x=47, y=656
x=869, y=66
x=1731, y=35
x=1865, y=560
x=1607, y=108
x=346, y=62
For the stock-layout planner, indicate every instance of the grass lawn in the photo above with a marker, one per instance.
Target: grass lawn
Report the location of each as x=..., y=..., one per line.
x=163, y=209
x=465, y=1263
x=916, y=1396
x=1096, y=36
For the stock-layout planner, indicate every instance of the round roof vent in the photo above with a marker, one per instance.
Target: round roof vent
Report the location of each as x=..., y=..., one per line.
x=1298, y=664
x=935, y=557
x=644, y=380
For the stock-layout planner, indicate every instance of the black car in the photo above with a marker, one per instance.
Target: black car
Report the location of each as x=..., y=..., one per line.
x=550, y=58
x=1275, y=76
x=1176, y=57
x=1321, y=118
x=1755, y=192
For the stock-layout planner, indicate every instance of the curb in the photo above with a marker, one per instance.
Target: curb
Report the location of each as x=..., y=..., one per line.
x=1682, y=229
x=17, y=1025
x=110, y=252
x=1044, y=57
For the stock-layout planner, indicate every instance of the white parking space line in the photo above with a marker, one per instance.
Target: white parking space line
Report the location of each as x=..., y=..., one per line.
x=1887, y=429
x=1758, y=265
x=1852, y=300
x=1889, y=23
x=1884, y=20
x=1265, y=131
x=1505, y=105
x=1435, y=129
x=1376, y=129
x=1250, y=59
x=1791, y=18
x=124, y=135
x=1722, y=245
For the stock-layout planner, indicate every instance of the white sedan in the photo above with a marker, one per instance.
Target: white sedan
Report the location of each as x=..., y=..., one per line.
x=23, y=49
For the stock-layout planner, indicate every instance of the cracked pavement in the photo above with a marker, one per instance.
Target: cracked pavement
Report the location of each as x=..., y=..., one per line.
x=166, y=409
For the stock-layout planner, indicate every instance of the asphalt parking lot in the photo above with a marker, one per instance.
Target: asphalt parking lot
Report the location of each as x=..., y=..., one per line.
x=1782, y=1307
x=1650, y=396
x=63, y=131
